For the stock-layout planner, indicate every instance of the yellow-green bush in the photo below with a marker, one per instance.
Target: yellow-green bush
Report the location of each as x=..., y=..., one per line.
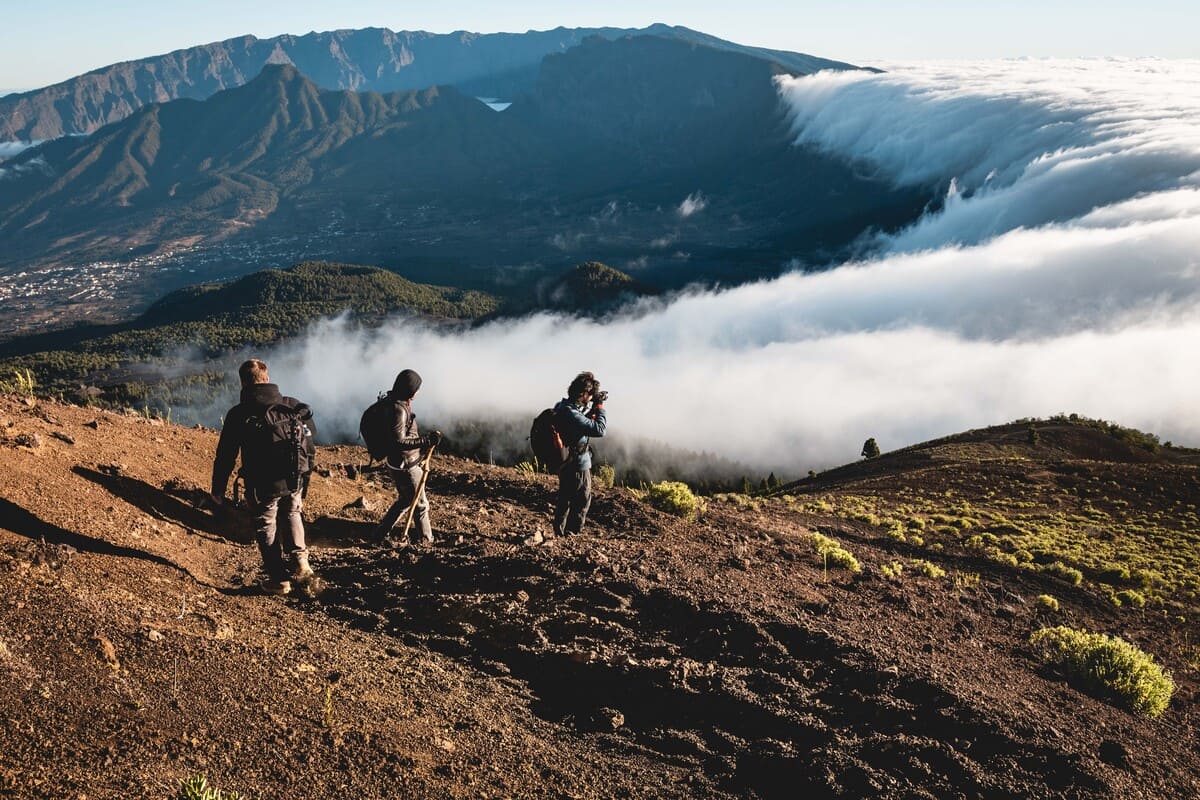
x=604, y=476
x=197, y=788
x=1046, y=602
x=833, y=554
x=1061, y=570
x=928, y=568
x=893, y=571
x=1128, y=597
x=1108, y=666
x=675, y=498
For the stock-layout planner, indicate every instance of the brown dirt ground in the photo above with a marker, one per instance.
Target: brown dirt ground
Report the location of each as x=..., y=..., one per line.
x=650, y=657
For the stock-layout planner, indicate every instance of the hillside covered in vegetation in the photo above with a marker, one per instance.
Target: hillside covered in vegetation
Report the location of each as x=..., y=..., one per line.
x=182, y=334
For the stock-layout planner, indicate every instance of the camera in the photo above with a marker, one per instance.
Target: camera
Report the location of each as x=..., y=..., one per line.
x=599, y=397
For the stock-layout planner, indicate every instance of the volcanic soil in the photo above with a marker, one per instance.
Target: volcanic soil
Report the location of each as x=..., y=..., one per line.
x=649, y=657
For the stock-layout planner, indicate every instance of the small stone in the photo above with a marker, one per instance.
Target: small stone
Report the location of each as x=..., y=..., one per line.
x=523, y=596
x=107, y=651
x=362, y=502
x=610, y=718
x=62, y=437
x=114, y=468
x=154, y=635
x=31, y=440
x=94, y=424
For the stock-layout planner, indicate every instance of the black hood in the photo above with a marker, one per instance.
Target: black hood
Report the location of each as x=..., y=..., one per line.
x=263, y=394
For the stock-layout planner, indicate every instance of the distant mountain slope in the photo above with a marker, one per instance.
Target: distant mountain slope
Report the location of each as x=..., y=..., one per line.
x=593, y=163
x=375, y=59
x=182, y=332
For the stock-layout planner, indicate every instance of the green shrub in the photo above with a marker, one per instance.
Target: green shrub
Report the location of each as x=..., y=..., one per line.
x=928, y=568
x=1108, y=666
x=1128, y=597
x=675, y=498
x=604, y=476
x=1061, y=570
x=197, y=788
x=1113, y=573
x=893, y=571
x=833, y=554
x=528, y=467
x=1046, y=602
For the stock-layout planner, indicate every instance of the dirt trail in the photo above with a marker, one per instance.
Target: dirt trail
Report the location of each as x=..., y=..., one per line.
x=651, y=657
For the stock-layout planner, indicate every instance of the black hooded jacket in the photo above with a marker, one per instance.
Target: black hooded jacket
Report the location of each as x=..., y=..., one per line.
x=255, y=400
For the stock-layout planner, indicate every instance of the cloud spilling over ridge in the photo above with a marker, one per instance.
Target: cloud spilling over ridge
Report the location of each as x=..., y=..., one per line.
x=1018, y=144
x=10, y=149
x=1038, y=288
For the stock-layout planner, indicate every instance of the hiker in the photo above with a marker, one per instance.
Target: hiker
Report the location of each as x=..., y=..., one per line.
x=576, y=423
x=274, y=435
x=403, y=447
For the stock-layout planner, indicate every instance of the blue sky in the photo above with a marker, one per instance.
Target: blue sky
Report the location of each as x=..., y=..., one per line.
x=52, y=40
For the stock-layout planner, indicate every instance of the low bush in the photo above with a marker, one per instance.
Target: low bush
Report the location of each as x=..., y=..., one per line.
x=833, y=554
x=928, y=568
x=893, y=570
x=604, y=476
x=197, y=788
x=1061, y=570
x=1108, y=666
x=1128, y=597
x=1048, y=603
x=675, y=498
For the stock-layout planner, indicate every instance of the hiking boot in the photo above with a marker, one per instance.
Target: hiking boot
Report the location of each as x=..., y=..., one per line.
x=302, y=572
x=391, y=543
x=276, y=587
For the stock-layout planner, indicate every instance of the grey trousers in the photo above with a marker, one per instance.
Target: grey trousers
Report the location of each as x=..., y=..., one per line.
x=407, y=480
x=277, y=542
x=574, y=499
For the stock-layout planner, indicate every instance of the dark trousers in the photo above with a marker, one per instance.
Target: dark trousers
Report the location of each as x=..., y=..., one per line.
x=407, y=480
x=279, y=541
x=574, y=499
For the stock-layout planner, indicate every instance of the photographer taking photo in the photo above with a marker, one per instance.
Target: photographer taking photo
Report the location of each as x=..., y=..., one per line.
x=578, y=417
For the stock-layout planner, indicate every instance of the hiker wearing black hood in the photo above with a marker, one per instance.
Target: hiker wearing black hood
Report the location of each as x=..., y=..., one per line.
x=404, y=463
x=273, y=498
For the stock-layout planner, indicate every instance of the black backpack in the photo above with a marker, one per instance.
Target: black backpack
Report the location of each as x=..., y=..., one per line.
x=377, y=427
x=547, y=443
x=277, y=454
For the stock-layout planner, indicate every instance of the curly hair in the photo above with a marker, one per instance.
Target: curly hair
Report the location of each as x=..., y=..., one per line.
x=584, y=383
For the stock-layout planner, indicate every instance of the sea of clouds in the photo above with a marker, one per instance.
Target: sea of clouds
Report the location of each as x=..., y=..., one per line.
x=1061, y=273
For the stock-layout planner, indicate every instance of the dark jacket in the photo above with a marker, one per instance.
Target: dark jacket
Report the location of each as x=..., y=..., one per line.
x=407, y=442
x=576, y=427
x=255, y=400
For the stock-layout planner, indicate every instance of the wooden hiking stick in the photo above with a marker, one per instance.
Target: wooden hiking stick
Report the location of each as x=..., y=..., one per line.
x=412, y=509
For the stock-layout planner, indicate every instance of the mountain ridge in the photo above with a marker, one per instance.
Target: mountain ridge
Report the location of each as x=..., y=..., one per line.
x=438, y=186
x=375, y=59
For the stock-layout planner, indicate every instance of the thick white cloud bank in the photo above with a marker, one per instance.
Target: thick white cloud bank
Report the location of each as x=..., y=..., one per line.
x=1062, y=274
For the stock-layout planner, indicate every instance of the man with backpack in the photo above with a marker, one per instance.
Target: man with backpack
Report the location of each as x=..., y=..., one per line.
x=274, y=435
x=576, y=423
x=389, y=428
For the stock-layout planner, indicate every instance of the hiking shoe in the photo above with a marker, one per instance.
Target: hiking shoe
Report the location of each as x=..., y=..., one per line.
x=277, y=588
x=390, y=543
x=302, y=573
